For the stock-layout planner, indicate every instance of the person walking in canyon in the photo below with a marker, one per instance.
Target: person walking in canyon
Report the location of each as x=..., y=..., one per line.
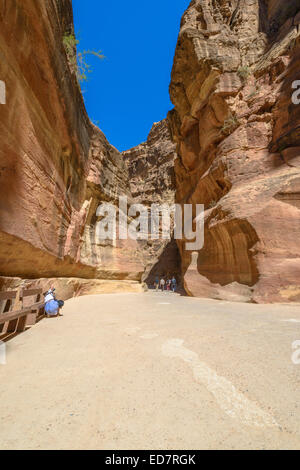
x=156, y=283
x=174, y=284
x=162, y=284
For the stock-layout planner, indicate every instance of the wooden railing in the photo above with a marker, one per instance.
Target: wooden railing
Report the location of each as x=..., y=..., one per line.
x=29, y=308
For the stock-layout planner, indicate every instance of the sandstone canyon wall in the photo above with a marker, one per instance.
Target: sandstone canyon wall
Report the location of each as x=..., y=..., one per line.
x=235, y=131
x=238, y=143
x=55, y=166
x=152, y=181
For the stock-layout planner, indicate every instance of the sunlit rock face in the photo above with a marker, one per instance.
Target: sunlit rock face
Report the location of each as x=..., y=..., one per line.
x=55, y=166
x=151, y=167
x=152, y=181
x=238, y=140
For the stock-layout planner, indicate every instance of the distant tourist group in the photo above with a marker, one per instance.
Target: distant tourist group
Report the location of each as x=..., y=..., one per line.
x=168, y=285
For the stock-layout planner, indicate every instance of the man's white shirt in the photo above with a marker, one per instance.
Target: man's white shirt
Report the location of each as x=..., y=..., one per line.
x=49, y=297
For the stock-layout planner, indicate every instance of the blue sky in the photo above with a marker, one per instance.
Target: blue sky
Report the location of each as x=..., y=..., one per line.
x=129, y=89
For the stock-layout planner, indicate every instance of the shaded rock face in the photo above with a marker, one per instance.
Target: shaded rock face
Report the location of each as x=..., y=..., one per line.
x=152, y=181
x=238, y=140
x=55, y=166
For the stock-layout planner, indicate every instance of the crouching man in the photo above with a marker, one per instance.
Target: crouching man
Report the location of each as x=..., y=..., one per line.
x=52, y=305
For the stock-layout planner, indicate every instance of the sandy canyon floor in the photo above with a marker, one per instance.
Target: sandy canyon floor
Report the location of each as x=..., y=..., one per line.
x=154, y=371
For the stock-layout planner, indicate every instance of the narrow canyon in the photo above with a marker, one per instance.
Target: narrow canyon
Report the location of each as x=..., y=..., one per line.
x=231, y=142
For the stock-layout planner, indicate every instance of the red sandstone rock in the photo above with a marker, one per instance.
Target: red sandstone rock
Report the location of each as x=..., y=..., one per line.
x=152, y=181
x=55, y=166
x=238, y=140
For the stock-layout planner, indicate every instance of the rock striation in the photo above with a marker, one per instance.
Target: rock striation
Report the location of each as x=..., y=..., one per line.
x=55, y=166
x=232, y=143
x=238, y=143
x=151, y=167
x=152, y=181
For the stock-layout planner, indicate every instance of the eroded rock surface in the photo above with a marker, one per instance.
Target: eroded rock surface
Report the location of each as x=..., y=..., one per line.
x=238, y=141
x=151, y=167
x=55, y=166
x=152, y=181
x=237, y=134
x=68, y=287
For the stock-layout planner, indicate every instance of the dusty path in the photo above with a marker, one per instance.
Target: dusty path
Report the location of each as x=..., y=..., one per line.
x=159, y=371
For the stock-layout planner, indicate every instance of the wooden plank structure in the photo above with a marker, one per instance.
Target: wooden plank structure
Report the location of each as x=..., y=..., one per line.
x=30, y=309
